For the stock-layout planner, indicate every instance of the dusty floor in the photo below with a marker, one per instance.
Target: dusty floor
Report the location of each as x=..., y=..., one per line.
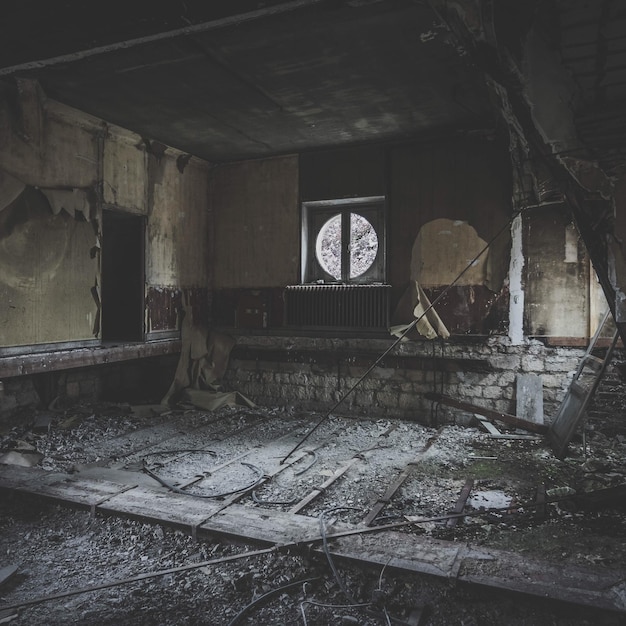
x=59, y=549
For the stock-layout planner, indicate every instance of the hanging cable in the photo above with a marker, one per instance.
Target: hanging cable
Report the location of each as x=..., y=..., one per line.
x=329, y=558
x=259, y=476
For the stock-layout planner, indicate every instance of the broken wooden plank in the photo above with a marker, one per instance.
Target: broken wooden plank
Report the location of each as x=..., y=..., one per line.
x=574, y=405
x=53, y=361
x=382, y=502
x=461, y=502
x=374, y=547
x=498, y=569
x=7, y=572
x=514, y=436
x=510, y=420
x=26, y=479
x=160, y=506
x=86, y=493
x=317, y=491
x=486, y=425
x=262, y=526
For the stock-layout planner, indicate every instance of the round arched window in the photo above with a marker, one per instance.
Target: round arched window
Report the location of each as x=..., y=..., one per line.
x=354, y=242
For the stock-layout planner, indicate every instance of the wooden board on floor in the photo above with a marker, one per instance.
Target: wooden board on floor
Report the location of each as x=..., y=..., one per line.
x=593, y=587
x=498, y=569
x=160, y=506
x=263, y=526
x=82, y=492
x=26, y=479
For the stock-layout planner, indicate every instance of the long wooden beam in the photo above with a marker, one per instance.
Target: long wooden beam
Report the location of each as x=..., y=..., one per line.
x=53, y=361
x=511, y=420
x=413, y=554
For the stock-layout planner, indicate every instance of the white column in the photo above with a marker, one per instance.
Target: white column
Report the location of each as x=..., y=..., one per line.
x=516, y=304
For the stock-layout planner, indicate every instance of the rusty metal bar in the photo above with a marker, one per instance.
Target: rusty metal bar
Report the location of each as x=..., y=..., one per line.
x=511, y=420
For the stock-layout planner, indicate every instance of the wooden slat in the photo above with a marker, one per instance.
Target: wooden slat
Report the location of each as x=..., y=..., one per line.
x=317, y=491
x=26, y=479
x=461, y=502
x=262, y=526
x=391, y=490
x=498, y=569
x=160, y=506
x=487, y=425
x=55, y=361
x=594, y=587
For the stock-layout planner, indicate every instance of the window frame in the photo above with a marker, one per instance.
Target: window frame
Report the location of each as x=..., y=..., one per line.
x=316, y=213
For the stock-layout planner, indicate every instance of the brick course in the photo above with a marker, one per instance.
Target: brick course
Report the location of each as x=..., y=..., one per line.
x=399, y=391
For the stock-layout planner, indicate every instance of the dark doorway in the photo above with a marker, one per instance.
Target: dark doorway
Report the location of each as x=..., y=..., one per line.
x=122, y=276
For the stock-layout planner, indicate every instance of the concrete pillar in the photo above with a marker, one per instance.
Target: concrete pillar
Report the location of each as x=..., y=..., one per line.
x=516, y=304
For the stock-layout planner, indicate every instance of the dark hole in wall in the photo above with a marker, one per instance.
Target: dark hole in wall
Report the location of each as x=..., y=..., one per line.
x=137, y=382
x=472, y=309
x=122, y=276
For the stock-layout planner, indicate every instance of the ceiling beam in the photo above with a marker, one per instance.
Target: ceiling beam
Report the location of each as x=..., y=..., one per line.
x=223, y=22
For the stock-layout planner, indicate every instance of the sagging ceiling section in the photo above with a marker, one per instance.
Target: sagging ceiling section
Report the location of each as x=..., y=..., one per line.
x=241, y=79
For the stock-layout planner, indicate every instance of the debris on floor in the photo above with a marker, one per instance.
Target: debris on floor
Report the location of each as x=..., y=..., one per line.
x=390, y=473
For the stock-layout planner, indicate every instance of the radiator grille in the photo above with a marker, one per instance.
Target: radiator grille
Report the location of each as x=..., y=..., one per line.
x=337, y=306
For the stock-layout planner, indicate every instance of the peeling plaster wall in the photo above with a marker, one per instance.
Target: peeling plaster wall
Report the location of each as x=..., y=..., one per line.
x=47, y=221
x=257, y=223
x=46, y=274
x=557, y=276
x=58, y=168
x=171, y=191
x=177, y=252
x=125, y=163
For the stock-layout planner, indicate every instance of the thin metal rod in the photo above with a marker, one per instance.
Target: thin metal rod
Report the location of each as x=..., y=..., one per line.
x=137, y=578
x=410, y=327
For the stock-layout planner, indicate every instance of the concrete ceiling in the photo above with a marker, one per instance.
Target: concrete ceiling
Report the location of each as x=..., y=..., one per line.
x=242, y=79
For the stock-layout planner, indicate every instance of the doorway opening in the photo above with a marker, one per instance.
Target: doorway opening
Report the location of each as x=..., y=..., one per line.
x=123, y=278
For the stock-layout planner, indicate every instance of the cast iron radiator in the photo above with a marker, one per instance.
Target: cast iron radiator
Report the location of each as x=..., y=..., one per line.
x=337, y=306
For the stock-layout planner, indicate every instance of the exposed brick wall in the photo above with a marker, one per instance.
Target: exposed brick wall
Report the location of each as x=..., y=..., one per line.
x=314, y=373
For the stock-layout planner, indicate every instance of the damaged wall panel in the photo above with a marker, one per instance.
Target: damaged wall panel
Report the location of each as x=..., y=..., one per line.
x=451, y=199
x=557, y=276
x=257, y=223
x=46, y=144
x=124, y=173
x=58, y=168
x=46, y=273
x=48, y=167
x=177, y=267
